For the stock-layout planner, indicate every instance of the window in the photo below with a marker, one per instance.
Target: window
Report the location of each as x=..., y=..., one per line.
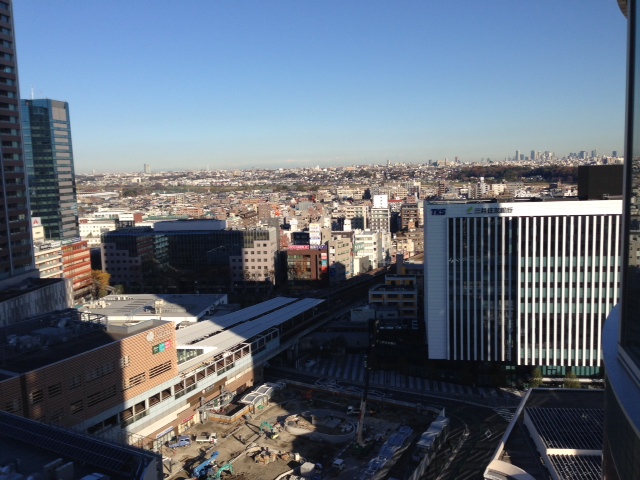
x=13, y=406
x=56, y=416
x=135, y=380
x=76, y=407
x=124, y=361
x=98, y=397
x=36, y=397
x=54, y=390
x=99, y=372
x=160, y=369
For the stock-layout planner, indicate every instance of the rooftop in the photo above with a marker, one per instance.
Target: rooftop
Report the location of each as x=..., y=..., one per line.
x=53, y=337
x=35, y=449
x=223, y=333
x=148, y=306
x=26, y=286
x=549, y=430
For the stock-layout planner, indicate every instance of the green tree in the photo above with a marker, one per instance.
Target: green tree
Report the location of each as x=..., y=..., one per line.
x=536, y=378
x=100, y=285
x=571, y=380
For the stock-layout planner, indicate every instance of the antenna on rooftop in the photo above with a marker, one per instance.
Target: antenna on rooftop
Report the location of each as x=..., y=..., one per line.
x=32, y=93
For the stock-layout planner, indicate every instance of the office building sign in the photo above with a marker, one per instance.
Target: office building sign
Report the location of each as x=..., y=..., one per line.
x=315, y=234
x=488, y=210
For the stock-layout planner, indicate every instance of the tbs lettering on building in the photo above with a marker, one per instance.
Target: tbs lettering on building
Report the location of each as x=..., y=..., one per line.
x=526, y=284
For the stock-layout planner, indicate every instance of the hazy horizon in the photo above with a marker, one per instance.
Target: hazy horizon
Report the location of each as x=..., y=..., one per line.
x=235, y=85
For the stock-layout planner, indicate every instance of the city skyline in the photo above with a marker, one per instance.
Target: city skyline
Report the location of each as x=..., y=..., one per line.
x=304, y=85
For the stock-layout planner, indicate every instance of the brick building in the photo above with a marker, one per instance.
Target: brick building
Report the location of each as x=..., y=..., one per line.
x=76, y=266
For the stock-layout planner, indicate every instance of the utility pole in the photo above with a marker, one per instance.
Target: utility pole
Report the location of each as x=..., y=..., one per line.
x=363, y=402
x=365, y=393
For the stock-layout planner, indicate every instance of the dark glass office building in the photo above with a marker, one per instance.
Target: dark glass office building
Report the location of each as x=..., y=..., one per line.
x=16, y=255
x=621, y=342
x=185, y=256
x=49, y=161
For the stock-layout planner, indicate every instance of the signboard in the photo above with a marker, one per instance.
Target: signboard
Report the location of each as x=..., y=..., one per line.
x=36, y=221
x=161, y=347
x=166, y=432
x=188, y=418
x=481, y=210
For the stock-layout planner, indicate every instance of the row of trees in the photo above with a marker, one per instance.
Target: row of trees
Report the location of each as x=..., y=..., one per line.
x=570, y=380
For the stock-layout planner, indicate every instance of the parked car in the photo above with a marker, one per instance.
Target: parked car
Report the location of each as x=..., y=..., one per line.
x=183, y=441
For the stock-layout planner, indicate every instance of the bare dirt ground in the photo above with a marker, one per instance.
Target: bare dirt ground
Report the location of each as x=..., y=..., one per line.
x=241, y=442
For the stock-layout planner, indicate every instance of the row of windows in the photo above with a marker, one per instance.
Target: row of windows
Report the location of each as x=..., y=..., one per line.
x=134, y=380
x=575, y=261
x=101, y=396
x=597, y=308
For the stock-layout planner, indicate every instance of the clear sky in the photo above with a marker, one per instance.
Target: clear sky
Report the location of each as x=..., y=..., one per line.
x=234, y=84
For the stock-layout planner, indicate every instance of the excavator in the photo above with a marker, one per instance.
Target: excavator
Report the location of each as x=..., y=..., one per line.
x=267, y=426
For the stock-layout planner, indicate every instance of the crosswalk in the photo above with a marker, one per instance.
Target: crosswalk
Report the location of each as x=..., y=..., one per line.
x=505, y=413
x=351, y=368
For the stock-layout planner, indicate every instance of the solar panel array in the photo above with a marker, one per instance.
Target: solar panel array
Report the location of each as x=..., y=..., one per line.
x=575, y=428
x=583, y=467
x=207, y=328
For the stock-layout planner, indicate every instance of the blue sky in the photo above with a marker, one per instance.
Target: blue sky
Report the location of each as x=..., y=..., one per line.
x=239, y=84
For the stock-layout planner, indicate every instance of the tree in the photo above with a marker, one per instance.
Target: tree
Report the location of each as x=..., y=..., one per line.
x=100, y=283
x=536, y=378
x=571, y=380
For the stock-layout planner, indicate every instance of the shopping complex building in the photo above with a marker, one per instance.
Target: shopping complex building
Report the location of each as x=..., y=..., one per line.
x=137, y=379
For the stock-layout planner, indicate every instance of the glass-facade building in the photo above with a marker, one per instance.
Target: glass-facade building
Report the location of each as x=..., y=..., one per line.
x=16, y=253
x=48, y=154
x=621, y=343
x=175, y=257
x=522, y=283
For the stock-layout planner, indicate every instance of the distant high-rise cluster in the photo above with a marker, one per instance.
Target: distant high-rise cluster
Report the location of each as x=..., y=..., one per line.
x=147, y=168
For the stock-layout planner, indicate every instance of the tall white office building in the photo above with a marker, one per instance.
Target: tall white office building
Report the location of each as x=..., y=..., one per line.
x=526, y=283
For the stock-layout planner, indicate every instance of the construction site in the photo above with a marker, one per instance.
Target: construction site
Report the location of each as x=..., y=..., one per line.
x=295, y=433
